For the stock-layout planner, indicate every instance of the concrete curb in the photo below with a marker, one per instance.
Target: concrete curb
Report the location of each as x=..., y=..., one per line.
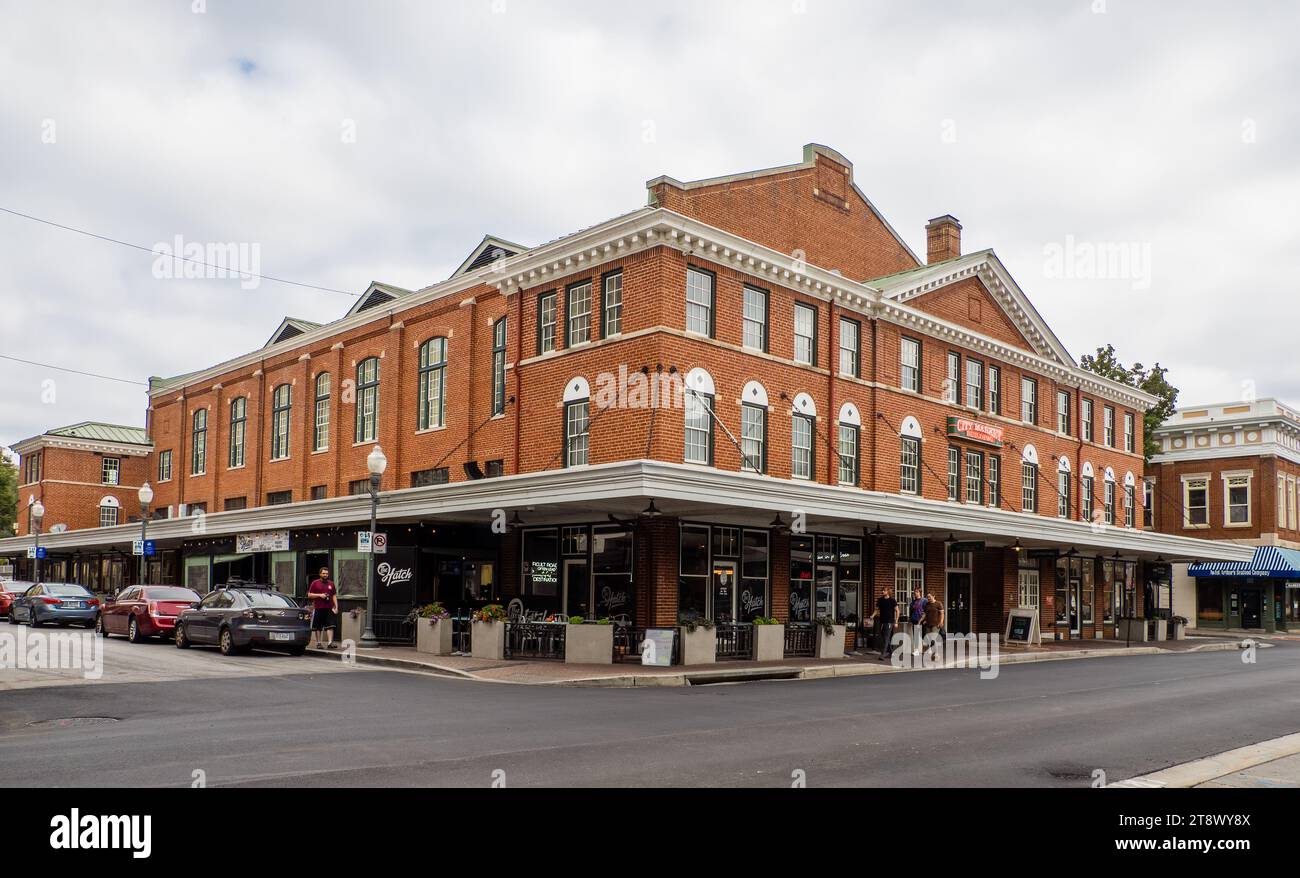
x=1201, y=771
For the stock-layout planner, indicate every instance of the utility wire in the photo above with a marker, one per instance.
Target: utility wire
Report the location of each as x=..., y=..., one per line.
x=151, y=251
x=73, y=371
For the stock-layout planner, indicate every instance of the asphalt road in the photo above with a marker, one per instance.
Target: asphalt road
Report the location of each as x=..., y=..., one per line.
x=283, y=722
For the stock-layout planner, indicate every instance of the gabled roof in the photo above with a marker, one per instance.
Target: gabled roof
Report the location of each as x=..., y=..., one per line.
x=100, y=432
x=376, y=294
x=289, y=328
x=985, y=264
x=489, y=250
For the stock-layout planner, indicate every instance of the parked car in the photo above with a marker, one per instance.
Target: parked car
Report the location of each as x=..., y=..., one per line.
x=10, y=590
x=141, y=611
x=238, y=618
x=55, y=603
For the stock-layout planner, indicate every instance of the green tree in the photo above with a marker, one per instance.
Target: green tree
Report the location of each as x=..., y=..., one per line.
x=8, y=493
x=1154, y=381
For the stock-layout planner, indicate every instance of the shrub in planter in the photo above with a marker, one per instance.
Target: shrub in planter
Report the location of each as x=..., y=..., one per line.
x=488, y=633
x=589, y=643
x=432, y=629
x=830, y=638
x=769, y=640
x=699, y=641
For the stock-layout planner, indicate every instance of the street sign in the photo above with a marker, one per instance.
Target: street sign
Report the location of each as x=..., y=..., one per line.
x=379, y=544
x=363, y=542
x=150, y=549
x=31, y=551
x=368, y=543
x=137, y=547
x=36, y=552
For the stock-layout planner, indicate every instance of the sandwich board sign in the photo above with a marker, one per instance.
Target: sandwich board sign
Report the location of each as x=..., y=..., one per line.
x=1022, y=627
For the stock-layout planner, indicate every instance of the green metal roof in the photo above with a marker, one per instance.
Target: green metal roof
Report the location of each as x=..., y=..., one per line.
x=102, y=433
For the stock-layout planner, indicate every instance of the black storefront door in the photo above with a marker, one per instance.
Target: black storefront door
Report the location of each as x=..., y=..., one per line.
x=958, y=621
x=1252, y=608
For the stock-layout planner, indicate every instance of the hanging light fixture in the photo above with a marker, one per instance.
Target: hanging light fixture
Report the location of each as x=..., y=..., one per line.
x=515, y=520
x=778, y=523
x=1017, y=548
x=651, y=511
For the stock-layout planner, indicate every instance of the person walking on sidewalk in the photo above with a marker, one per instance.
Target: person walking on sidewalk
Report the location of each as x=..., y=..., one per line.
x=934, y=619
x=325, y=603
x=916, y=618
x=887, y=607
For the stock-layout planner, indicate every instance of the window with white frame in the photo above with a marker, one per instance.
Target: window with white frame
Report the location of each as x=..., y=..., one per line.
x=954, y=473
x=1130, y=510
x=699, y=427
x=910, y=468
x=952, y=384
x=431, y=411
x=165, y=466
x=1063, y=412
x=108, y=515
x=850, y=332
x=911, y=365
x=995, y=389
x=577, y=426
x=238, y=431
x=801, y=447
x=1108, y=424
x=367, y=405
x=578, y=308
x=1063, y=493
x=1085, y=420
x=1029, y=581
x=499, y=367
x=1109, y=501
x=699, y=302
x=1282, y=495
x=753, y=437
x=1148, y=504
x=321, y=423
x=805, y=334
x=1087, y=491
x=974, y=384
x=281, y=406
x=1029, y=400
x=1196, y=502
x=612, y=305
x=1029, y=487
x=546, y=317
x=1291, y=502
x=848, y=454
x=755, y=319
x=110, y=472
x=974, y=477
x=199, y=443
x=909, y=576
x=1129, y=434
x=1236, y=499
x=995, y=480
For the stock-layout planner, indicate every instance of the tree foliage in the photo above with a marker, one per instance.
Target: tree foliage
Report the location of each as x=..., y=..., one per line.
x=8, y=493
x=1154, y=381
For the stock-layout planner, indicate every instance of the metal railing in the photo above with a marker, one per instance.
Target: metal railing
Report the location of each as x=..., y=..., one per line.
x=394, y=629
x=535, y=640
x=800, y=641
x=735, y=642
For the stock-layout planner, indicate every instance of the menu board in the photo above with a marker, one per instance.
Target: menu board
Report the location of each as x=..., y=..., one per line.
x=657, y=648
x=1022, y=627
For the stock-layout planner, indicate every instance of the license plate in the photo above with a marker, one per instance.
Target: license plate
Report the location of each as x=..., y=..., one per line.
x=74, y=605
x=277, y=635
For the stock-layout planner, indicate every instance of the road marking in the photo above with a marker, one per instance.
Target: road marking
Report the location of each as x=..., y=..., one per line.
x=1201, y=771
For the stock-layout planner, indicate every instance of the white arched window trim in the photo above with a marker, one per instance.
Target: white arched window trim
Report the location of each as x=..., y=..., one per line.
x=850, y=415
x=804, y=405
x=1110, y=474
x=1088, y=471
x=700, y=381
x=577, y=390
x=1129, y=480
x=754, y=394
x=1030, y=455
x=110, y=502
x=1063, y=465
x=911, y=428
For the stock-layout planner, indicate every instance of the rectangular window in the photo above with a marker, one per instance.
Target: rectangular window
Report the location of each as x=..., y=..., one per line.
x=910, y=472
x=1196, y=502
x=699, y=428
x=753, y=438
x=1129, y=434
x=805, y=334
x=699, y=302
x=995, y=389
x=1237, y=489
x=165, y=466
x=755, y=319
x=975, y=384
x=108, y=516
x=1130, y=512
x=321, y=424
x=546, y=318
x=801, y=447
x=110, y=473
x=1029, y=588
x=576, y=426
x=952, y=384
x=1087, y=491
x=499, y=367
x=848, y=454
x=911, y=365
x=429, y=477
x=320, y=492
x=1063, y=412
x=495, y=469
x=1029, y=400
x=850, y=350
x=1029, y=487
x=279, y=498
x=612, y=305
x=357, y=487
x=1148, y=505
x=954, y=473
x=995, y=480
x=1291, y=503
x=1063, y=495
x=367, y=404
x=238, y=431
x=1108, y=501
x=1108, y=420
x=1282, y=495
x=1085, y=420
x=234, y=504
x=578, y=308
x=199, y=443
x=281, y=406
x=974, y=477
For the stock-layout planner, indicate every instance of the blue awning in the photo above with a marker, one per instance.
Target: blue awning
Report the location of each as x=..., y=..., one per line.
x=1270, y=562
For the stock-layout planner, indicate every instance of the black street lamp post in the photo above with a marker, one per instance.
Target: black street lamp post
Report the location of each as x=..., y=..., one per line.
x=376, y=463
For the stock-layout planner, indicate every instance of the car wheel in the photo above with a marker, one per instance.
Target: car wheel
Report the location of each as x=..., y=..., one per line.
x=133, y=631
x=100, y=626
x=227, y=643
x=32, y=621
x=182, y=642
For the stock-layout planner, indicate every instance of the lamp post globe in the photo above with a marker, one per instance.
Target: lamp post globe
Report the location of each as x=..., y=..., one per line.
x=376, y=462
x=146, y=494
x=38, y=513
x=146, y=497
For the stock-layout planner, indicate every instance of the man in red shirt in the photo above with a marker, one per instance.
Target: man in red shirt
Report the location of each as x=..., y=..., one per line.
x=325, y=603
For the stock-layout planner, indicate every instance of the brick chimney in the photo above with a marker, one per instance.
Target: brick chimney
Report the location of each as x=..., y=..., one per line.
x=942, y=239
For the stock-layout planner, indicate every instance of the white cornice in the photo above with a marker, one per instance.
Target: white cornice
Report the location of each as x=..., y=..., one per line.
x=100, y=446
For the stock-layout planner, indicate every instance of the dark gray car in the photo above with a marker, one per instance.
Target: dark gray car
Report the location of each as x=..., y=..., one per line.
x=239, y=619
x=55, y=603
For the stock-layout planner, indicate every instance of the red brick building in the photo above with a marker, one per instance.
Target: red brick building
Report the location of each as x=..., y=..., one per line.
x=815, y=412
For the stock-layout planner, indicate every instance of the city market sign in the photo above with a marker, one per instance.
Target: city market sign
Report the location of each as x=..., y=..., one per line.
x=974, y=431
x=266, y=541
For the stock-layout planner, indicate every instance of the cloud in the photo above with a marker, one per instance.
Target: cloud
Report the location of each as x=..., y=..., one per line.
x=354, y=142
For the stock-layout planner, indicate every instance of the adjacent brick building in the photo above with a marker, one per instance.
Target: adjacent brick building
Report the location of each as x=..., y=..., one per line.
x=816, y=413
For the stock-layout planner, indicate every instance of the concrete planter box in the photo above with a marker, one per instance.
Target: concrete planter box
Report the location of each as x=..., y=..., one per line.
x=353, y=628
x=1162, y=630
x=831, y=646
x=589, y=645
x=488, y=640
x=433, y=637
x=699, y=647
x=1180, y=632
x=1134, y=630
x=769, y=643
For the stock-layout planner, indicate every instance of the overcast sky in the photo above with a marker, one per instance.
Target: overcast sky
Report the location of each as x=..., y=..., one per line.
x=357, y=141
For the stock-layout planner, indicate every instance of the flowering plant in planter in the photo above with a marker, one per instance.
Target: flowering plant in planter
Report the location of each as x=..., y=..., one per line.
x=826, y=623
x=766, y=620
x=693, y=622
x=1179, y=620
x=491, y=613
x=355, y=612
x=434, y=612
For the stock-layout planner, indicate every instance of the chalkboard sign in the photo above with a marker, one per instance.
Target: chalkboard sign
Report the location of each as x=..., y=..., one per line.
x=657, y=648
x=1022, y=627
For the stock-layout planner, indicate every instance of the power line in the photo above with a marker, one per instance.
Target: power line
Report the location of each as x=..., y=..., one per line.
x=151, y=251
x=73, y=371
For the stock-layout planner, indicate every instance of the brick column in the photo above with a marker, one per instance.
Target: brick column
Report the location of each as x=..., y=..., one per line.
x=779, y=575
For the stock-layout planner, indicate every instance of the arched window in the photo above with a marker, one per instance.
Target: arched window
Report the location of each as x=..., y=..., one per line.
x=577, y=422
x=281, y=406
x=1108, y=496
x=199, y=443
x=238, y=430
x=321, y=424
x=108, y=512
x=1064, y=485
x=367, y=400
x=753, y=428
x=433, y=384
x=1029, y=480
x=803, y=429
x=909, y=477
x=698, y=402
x=499, y=367
x=849, y=438
x=1087, y=492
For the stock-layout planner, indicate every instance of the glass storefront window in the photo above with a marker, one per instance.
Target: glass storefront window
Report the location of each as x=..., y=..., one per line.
x=284, y=570
x=693, y=579
x=541, y=573
x=612, y=563
x=197, y=574
x=350, y=573
x=1209, y=603
x=848, y=603
x=801, y=578
x=754, y=574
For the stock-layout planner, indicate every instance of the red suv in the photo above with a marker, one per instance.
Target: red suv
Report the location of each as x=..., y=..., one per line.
x=141, y=611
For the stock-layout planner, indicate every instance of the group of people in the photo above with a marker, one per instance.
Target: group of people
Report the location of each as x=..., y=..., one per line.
x=923, y=616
